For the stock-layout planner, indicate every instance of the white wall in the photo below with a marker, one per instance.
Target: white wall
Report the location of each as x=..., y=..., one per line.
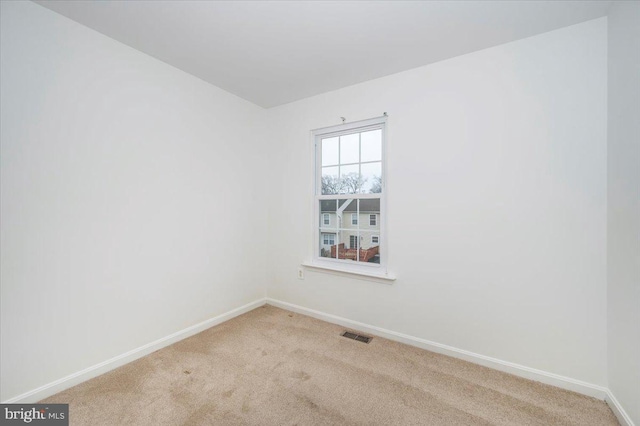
x=623, y=294
x=129, y=205
x=497, y=202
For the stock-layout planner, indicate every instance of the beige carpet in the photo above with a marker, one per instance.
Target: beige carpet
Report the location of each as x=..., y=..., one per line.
x=274, y=367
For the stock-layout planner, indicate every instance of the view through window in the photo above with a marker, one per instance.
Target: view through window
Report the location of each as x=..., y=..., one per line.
x=349, y=193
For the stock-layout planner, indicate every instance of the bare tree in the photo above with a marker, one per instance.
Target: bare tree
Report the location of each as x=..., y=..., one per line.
x=353, y=183
x=331, y=185
x=376, y=185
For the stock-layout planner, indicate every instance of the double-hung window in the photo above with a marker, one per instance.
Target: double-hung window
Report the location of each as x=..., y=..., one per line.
x=350, y=191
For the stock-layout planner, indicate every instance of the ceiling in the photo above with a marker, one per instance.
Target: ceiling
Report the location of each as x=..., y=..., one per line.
x=275, y=52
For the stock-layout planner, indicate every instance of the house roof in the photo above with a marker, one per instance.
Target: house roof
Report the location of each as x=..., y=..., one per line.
x=366, y=206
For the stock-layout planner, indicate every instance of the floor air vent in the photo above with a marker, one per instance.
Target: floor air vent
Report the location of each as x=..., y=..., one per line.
x=358, y=337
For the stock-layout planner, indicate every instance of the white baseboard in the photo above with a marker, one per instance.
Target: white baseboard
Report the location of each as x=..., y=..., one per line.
x=617, y=409
x=110, y=364
x=497, y=364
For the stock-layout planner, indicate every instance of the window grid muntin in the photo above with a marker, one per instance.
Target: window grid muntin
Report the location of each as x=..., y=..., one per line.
x=350, y=164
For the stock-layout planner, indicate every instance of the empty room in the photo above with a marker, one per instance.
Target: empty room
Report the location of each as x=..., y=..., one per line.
x=320, y=212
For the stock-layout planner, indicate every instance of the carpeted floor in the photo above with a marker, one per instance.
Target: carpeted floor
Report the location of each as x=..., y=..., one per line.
x=274, y=367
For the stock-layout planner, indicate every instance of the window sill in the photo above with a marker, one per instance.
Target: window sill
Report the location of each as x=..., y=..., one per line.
x=387, y=278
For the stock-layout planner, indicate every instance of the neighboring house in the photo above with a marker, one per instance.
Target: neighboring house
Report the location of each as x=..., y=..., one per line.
x=357, y=225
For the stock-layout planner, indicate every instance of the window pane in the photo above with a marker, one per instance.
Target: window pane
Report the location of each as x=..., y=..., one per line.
x=328, y=244
x=371, y=145
x=327, y=237
x=346, y=243
x=370, y=208
x=330, y=181
x=371, y=178
x=330, y=152
x=350, y=148
x=369, y=246
x=350, y=180
x=369, y=231
x=347, y=208
x=328, y=210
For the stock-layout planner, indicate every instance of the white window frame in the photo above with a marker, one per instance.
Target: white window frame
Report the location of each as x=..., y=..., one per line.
x=375, y=219
x=326, y=219
x=377, y=237
x=343, y=266
x=354, y=218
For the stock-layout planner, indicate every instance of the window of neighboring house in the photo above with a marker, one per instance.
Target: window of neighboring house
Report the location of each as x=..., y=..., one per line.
x=328, y=239
x=349, y=183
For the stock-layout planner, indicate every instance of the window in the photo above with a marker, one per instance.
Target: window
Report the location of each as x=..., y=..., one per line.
x=328, y=239
x=350, y=186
